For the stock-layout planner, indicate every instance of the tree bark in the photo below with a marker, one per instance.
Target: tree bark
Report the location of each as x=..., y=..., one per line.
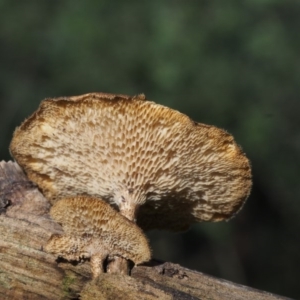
x=27, y=272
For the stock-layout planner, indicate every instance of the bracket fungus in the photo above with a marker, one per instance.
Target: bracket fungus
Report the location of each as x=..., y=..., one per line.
x=93, y=229
x=159, y=167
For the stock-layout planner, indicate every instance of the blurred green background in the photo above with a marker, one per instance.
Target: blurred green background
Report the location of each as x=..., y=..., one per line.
x=233, y=64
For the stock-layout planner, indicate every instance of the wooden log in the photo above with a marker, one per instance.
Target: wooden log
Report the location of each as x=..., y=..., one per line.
x=27, y=272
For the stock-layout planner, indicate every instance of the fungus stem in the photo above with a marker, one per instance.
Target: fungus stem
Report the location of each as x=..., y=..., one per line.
x=97, y=265
x=128, y=210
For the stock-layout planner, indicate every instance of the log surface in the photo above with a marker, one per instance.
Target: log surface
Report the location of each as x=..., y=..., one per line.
x=27, y=272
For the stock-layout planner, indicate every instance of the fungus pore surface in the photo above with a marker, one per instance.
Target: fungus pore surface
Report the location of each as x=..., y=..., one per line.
x=93, y=229
x=155, y=163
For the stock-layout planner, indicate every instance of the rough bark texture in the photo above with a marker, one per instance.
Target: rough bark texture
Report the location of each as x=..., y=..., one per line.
x=27, y=272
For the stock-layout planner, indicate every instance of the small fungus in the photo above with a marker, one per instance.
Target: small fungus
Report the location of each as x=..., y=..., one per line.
x=159, y=167
x=93, y=229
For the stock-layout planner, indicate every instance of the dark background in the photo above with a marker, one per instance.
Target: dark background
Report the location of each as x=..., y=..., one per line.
x=234, y=64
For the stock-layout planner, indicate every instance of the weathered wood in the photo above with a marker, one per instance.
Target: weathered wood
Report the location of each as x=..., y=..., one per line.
x=13, y=183
x=27, y=272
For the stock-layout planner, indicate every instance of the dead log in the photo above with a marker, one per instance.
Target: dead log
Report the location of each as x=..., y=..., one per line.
x=27, y=272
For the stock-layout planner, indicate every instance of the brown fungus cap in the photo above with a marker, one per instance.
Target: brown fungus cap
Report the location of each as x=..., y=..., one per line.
x=93, y=229
x=134, y=153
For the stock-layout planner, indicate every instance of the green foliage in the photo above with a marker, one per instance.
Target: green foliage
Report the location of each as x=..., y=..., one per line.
x=234, y=64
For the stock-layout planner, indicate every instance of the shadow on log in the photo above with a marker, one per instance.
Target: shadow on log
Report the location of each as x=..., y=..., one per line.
x=27, y=272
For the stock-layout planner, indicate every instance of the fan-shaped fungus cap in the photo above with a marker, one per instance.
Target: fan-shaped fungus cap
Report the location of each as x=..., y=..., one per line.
x=134, y=153
x=93, y=229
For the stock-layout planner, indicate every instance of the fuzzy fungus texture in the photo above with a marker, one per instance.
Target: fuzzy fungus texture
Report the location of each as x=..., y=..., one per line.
x=157, y=165
x=93, y=229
